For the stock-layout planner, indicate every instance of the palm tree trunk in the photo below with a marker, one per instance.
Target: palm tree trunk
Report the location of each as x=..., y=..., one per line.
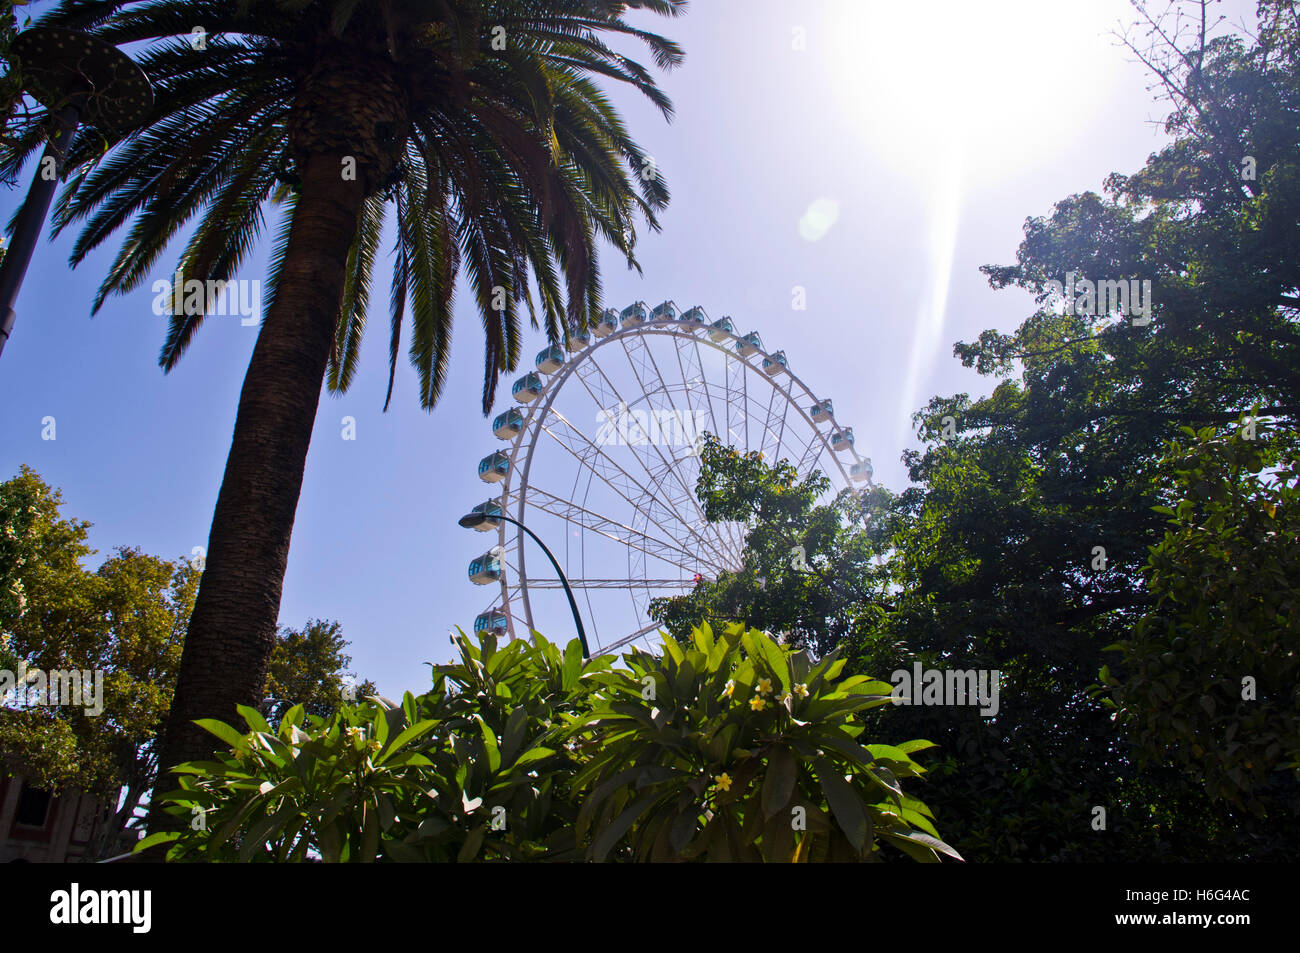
x=232, y=629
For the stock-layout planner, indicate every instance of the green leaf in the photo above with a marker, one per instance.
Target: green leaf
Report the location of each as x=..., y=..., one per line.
x=254, y=718
x=778, y=784
x=533, y=754
x=917, y=745
x=223, y=731
x=918, y=852
x=775, y=658
x=406, y=737
x=469, y=850
x=614, y=831
x=703, y=638
x=888, y=753
x=162, y=837
x=847, y=806
x=684, y=827
x=490, y=743
x=673, y=650
x=572, y=664
x=926, y=840
x=513, y=736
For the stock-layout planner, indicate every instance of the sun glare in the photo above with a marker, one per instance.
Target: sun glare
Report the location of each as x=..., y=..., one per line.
x=995, y=85
x=957, y=97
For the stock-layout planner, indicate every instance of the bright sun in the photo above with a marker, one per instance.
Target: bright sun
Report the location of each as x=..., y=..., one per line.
x=992, y=86
x=956, y=95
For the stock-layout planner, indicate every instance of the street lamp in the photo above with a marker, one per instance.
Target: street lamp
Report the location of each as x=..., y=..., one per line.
x=474, y=520
x=81, y=77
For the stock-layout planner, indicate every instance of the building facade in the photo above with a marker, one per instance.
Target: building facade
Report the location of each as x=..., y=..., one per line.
x=40, y=827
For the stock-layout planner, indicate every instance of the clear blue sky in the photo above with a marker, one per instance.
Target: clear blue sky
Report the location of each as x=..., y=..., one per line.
x=877, y=167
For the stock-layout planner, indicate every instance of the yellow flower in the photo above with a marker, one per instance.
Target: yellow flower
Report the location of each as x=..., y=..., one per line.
x=764, y=686
x=801, y=690
x=731, y=687
x=722, y=781
x=786, y=698
x=757, y=703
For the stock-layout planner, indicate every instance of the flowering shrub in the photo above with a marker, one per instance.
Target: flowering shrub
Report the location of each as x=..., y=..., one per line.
x=731, y=748
x=738, y=748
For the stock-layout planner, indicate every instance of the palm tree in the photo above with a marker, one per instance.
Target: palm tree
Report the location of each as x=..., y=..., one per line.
x=480, y=121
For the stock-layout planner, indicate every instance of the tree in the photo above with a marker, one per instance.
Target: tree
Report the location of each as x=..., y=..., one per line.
x=477, y=119
x=308, y=668
x=1208, y=679
x=811, y=571
x=123, y=625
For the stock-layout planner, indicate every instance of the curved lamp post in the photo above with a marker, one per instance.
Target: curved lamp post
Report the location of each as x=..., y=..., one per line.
x=82, y=78
x=474, y=520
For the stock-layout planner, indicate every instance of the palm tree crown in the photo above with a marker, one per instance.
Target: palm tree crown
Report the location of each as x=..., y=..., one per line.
x=478, y=120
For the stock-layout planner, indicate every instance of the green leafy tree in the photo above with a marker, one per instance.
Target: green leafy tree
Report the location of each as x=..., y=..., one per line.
x=126, y=620
x=309, y=668
x=812, y=570
x=1209, y=677
x=480, y=121
x=736, y=748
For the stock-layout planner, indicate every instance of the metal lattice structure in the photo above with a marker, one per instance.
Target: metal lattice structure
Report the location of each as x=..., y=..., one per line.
x=604, y=443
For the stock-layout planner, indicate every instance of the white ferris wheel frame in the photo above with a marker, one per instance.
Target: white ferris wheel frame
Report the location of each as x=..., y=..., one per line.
x=540, y=418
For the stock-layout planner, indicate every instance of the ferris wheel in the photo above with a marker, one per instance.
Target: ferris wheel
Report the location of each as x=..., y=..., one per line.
x=601, y=453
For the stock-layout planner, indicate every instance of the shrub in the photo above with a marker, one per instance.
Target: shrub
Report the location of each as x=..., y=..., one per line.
x=731, y=748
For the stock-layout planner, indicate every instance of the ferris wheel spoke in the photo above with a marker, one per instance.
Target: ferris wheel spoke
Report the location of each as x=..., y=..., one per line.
x=780, y=439
x=691, y=365
x=629, y=639
x=590, y=455
x=614, y=530
x=675, y=585
x=607, y=395
x=738, y=401
x=812, y=451
x=767, y=443
x=689, y=354
x=647, y=372
x=663, y=471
